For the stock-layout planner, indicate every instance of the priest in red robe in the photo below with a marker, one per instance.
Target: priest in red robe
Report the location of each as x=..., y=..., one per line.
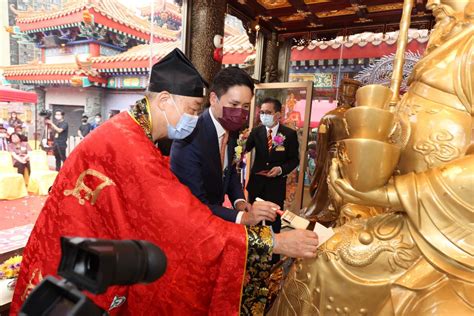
x=117, y=185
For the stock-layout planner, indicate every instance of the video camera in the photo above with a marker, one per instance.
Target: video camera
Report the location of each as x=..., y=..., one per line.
x=46, y=114
x=93, y=265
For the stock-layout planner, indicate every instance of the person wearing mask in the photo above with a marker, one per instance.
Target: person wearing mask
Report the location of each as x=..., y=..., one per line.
x=85, y=127
x=204, y=160
x=276, y=155
x=117, y=185
x=19, y=151
x=60, y=129
x=3, y=138
x=97, y=121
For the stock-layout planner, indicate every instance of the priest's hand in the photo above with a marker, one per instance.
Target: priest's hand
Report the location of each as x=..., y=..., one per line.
x=298, y=243
x=260, y=211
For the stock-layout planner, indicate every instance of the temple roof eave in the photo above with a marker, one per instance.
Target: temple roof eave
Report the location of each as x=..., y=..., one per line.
x=108, y=13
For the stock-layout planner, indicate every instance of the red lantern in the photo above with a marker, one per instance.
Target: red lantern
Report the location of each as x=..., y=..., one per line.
x=218, y=54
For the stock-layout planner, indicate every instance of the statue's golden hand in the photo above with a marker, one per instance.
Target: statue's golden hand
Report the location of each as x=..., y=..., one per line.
x=346, y=192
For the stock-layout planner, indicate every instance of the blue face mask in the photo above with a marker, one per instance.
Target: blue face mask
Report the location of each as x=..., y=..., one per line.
x=184, y=127
x=267, y=119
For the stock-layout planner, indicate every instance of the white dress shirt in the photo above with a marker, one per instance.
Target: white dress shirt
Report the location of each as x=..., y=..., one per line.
x=220, y=134
x=274, y=130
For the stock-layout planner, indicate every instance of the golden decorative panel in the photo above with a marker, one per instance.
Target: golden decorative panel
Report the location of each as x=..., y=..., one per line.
x=274, y=4
x=315, y=1
x=295, y=17
x=334, y=13
x=385, y=7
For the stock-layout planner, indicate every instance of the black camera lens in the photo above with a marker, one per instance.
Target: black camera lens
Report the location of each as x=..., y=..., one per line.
x=95, y=264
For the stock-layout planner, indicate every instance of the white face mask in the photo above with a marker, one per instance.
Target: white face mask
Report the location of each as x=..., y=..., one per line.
x=267, y=119
x=97, y=119
x=57, y=117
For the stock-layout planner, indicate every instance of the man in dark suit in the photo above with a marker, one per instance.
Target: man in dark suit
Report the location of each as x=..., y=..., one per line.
x=276, y=155
x=204, y=160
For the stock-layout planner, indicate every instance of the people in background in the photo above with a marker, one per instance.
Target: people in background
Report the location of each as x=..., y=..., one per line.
x=19, y=151
x=14, y=121
x=97, y=121
x=60, y=129
x=85, y=127
x=21, y=131
x=3, y=138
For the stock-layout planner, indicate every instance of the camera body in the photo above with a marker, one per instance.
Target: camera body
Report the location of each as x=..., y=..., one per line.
x=46, y=114
x=93, y=265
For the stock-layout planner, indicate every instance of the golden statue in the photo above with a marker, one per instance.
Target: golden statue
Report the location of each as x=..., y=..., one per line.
x=292, y=118
x=418, y=257
x=331, y=130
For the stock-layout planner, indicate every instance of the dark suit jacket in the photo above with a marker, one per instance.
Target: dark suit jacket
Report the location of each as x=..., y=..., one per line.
x=271, y=189
x=196, y=162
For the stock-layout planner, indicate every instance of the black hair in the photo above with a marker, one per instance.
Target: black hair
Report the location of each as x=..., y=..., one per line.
x=99, y=115
x=60, y=111
x=17, y=134
x=230, y=77
x=276, y=103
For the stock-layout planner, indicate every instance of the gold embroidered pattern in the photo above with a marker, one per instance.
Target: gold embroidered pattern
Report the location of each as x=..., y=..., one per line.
x=255, y=290
x=90, y=194
x=32, y=283
x=140, y=113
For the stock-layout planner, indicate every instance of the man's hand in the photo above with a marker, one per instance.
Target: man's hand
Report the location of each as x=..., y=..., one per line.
x=47, y=121
x=296, y=243
x=260, y=211
x=274, y=172
x=243, y=206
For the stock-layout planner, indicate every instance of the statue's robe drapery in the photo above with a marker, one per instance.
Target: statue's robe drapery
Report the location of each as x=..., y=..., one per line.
x=331, y=130
x=134, y=195
x=442, y=225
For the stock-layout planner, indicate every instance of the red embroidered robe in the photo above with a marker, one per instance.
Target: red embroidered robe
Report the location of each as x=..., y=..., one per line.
x=142, y=199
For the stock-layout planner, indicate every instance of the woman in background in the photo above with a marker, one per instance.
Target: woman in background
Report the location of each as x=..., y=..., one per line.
x=19, y=151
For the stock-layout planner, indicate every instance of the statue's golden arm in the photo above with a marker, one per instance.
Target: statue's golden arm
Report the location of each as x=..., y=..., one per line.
x=390, y=195
x=385, y=196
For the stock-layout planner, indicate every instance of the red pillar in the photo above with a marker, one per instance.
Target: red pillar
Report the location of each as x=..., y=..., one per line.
x=94, y=49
